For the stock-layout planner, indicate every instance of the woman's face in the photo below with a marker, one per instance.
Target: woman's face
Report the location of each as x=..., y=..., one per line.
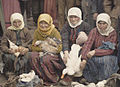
x=102, y=25
x=17, y=23
x=44, y=24
x=74, y=19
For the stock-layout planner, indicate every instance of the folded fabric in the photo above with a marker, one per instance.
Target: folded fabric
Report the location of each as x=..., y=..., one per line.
x=107, y=45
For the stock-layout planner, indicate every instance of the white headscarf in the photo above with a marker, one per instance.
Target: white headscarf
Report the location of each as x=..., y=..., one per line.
x=106, y=18
x=13, y=17
x=76, y=12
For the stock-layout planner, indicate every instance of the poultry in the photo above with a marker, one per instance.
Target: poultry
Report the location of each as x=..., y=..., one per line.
x=14, y=47
x=73, y=62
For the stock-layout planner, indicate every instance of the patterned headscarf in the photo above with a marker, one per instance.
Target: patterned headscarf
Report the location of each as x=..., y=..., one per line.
x=47, y=18
x=76, y=12
x=13, y=17
x=106, y=18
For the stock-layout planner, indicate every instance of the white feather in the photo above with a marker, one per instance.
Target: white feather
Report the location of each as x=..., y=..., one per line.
x=73, y=62
x=13, y=46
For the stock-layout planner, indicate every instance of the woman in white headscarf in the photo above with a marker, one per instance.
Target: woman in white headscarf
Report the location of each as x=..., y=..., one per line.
x=98, y=51
x=20, y=36
x=73, y=30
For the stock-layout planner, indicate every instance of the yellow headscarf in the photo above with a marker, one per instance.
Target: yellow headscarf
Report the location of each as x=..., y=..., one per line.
x=47, y=18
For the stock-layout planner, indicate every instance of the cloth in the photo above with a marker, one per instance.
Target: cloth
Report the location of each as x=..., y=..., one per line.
x=76, y=12
x=13, y=17
x=20, y=66
x=106, y=18
x=95, y=40
x=107, y=45
x=10, y=7
x=48, y=67
x=100, y=68
x=50, y=8
x=32, y=83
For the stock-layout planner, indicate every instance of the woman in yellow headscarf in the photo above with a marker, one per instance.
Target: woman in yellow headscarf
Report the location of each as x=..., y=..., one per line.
x=47, y=64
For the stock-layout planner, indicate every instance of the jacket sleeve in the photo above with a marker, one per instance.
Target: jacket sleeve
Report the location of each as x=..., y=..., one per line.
x=65, y=38
x=88, y=44
x=28, y=40
x=58, y=36
x=4, y=43
x=33, y=47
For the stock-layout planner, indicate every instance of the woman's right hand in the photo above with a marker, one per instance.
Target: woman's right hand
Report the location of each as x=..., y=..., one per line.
x=66, y=55
x=11, y=50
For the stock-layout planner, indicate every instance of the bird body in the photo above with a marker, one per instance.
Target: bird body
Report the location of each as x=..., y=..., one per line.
x=14, y=47
x=73, y=62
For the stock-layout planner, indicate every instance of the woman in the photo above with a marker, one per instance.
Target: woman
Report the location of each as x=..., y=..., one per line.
x=19, y=35
x=98, y=51
x=48, y=64
x=71, y=31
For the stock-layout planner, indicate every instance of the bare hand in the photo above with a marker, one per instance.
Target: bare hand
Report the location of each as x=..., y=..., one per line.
x=83, y=64
x=66, y=55
x=12, y=50
x=23, y=50
x=90, y=54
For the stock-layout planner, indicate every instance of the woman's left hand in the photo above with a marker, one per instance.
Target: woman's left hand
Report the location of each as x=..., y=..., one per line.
x=90, y=54
x=23, y=50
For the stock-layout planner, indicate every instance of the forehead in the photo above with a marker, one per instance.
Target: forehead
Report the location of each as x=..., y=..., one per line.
x=17, y=20
x=71, y=16
x=102, y=22
x=43, y=22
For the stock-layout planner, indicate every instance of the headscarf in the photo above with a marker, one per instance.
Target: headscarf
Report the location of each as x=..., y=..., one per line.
x=47, y=18
x=106, y=18
x=76, y=12
x=13, y=17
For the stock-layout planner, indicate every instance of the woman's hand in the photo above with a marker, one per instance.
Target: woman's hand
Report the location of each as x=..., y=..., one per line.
x=91, y=54
x=83, y=64
x=12, y=51
x=66, y=55
x=22, y=50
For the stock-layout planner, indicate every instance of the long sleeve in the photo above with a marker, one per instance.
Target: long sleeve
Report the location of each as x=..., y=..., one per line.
x=65, y=36
x=88, y=44
x=35, y=48
x=28, y=39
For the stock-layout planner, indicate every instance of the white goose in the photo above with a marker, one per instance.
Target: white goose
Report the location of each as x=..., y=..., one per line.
x=73, y=62
x=13, y=46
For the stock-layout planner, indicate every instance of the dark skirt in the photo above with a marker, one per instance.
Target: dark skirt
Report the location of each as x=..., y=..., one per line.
x=49, y=67
x=100, y=68
x=18, y=65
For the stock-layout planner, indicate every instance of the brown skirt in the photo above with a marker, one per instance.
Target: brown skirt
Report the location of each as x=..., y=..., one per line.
x=49, y=67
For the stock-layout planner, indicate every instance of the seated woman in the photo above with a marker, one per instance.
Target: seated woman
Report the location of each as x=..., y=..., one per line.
x=75, y=31
x=46, y=62
x=98, y=51
x=15, y=44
